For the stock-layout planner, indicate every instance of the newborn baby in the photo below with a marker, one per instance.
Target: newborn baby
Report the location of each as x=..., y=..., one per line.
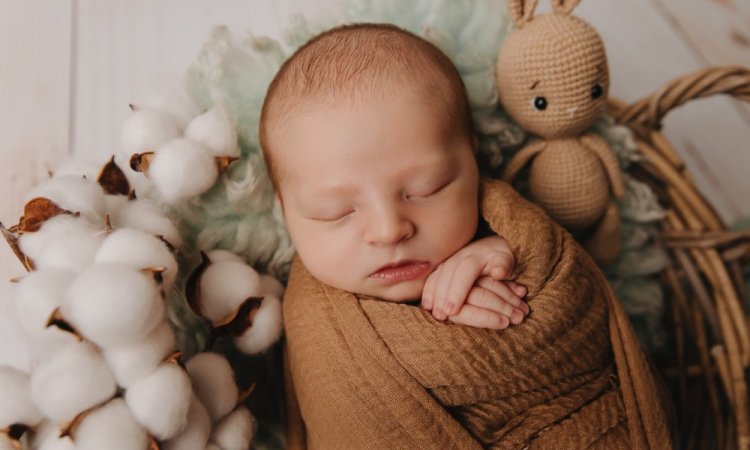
x=368, y=137
x=373, y=162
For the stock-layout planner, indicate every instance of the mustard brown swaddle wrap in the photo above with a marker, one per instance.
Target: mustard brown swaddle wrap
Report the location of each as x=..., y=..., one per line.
x=374, y=374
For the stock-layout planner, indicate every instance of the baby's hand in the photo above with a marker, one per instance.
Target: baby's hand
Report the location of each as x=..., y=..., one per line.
x=467, y=288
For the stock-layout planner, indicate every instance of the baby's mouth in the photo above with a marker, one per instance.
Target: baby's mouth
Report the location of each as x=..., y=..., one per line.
x=401, y=271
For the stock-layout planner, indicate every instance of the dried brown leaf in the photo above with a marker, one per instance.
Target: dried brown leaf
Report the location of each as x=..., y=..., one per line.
x=192, y=287
x=239, y=320
x=223, y=162
x=12, y=240
x=113, y=180
x=140, y=161
x=37, y=211
x=57, y=320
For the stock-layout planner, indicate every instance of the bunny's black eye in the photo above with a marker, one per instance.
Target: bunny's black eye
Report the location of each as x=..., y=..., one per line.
x=597, y=91
x=539, y=103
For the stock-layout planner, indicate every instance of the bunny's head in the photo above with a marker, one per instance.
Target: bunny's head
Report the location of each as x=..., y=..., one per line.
x=552, y=73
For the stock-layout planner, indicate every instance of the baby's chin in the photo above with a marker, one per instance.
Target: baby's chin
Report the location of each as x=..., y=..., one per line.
x=403, y=292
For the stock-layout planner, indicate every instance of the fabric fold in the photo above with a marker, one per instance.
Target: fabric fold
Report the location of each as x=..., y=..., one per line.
x=374, y=374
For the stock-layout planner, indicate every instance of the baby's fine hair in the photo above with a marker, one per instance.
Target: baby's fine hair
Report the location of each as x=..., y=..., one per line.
x=350, y=62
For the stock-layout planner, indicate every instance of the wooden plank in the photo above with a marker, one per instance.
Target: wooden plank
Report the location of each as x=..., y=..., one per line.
x=645, y=51
x=35, y=44
x=128, y=48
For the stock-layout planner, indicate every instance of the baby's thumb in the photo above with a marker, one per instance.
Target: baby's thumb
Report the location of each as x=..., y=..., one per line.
x=500, y=266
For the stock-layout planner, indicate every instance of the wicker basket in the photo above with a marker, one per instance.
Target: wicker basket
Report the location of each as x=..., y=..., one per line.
x=706, y=290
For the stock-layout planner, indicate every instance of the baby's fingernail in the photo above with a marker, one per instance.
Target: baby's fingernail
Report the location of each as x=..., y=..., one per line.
x=451, y=308
x=503, y=324
x=439, y=315
x=516, y=317
x=525, y=307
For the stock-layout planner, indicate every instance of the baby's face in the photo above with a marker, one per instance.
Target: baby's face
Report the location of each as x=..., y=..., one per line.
x=374, y=183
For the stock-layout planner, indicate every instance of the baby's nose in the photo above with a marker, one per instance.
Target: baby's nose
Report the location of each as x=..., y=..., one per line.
x=389, y=229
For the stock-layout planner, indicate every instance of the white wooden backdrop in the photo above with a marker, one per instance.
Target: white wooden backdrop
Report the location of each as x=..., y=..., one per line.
x=70, y=67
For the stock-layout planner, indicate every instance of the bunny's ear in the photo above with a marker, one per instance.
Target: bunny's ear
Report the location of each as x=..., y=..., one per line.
x=564, y=6
x=521, y=11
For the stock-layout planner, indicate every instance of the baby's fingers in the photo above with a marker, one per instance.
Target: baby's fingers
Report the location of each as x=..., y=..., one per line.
x=478, y=317
x=507, y=291
x=484, y=298
x=500, y=266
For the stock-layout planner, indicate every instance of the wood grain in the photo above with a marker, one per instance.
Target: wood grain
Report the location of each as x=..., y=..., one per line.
x=35, y=47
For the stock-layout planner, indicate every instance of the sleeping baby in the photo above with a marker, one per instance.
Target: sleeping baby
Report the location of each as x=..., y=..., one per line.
x=368, y=137
x=378, y=183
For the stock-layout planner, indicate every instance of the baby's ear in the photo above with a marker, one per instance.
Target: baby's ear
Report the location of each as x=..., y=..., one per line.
x=564, y=6
x=521, y=11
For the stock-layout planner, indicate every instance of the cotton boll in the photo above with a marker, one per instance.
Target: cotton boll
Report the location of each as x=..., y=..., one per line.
x=173, y=101
x=36, y=297
x=160, y=401
x=146, y=129
x=224, y=286
x=213, y=383
x=15, y=399
x=139, y=250
x=182, y=169
x=224, y=255
x=145, y=215
x=73, y=380
x=235, y=431
x=15, y=348
x=266, y=328
x=133, y=361
x=215, y=130
x=111, y=427
x=59, y=227
x=74, y=194
x=271, y=286
x=55, y=442
x=75, y=253
x=112, y=304
x=195, y=434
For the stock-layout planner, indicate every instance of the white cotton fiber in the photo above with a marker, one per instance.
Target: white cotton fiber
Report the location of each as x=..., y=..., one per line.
x=77, y=168
x=172, y=101
x=112, y=304
x=182, y=169
x=16, y=406
x=195, y=434
x=160, y=401
x=140, y=250
x=271, y=286
x=74, y=194
x=53, y=441
x=145, y=130
x=213, y=383
x=145, y=215
x=64, y=242
x=132, y=361
x=71, y=381
x=215, y=130
x=36, y=296
x=114, y=203
x=235, y=431
x=220, y=255
x=266, y=328
x=224, y=286
x=111, y=427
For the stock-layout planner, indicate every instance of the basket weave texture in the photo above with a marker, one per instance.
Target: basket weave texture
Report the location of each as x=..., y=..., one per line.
x=707, y=293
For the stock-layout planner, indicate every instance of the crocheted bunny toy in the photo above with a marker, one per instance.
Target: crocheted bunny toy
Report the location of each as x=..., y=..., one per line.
x=553, y=79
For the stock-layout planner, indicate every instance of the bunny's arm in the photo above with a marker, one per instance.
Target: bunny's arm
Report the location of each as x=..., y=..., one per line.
x=611, y=165
x=519, y=160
